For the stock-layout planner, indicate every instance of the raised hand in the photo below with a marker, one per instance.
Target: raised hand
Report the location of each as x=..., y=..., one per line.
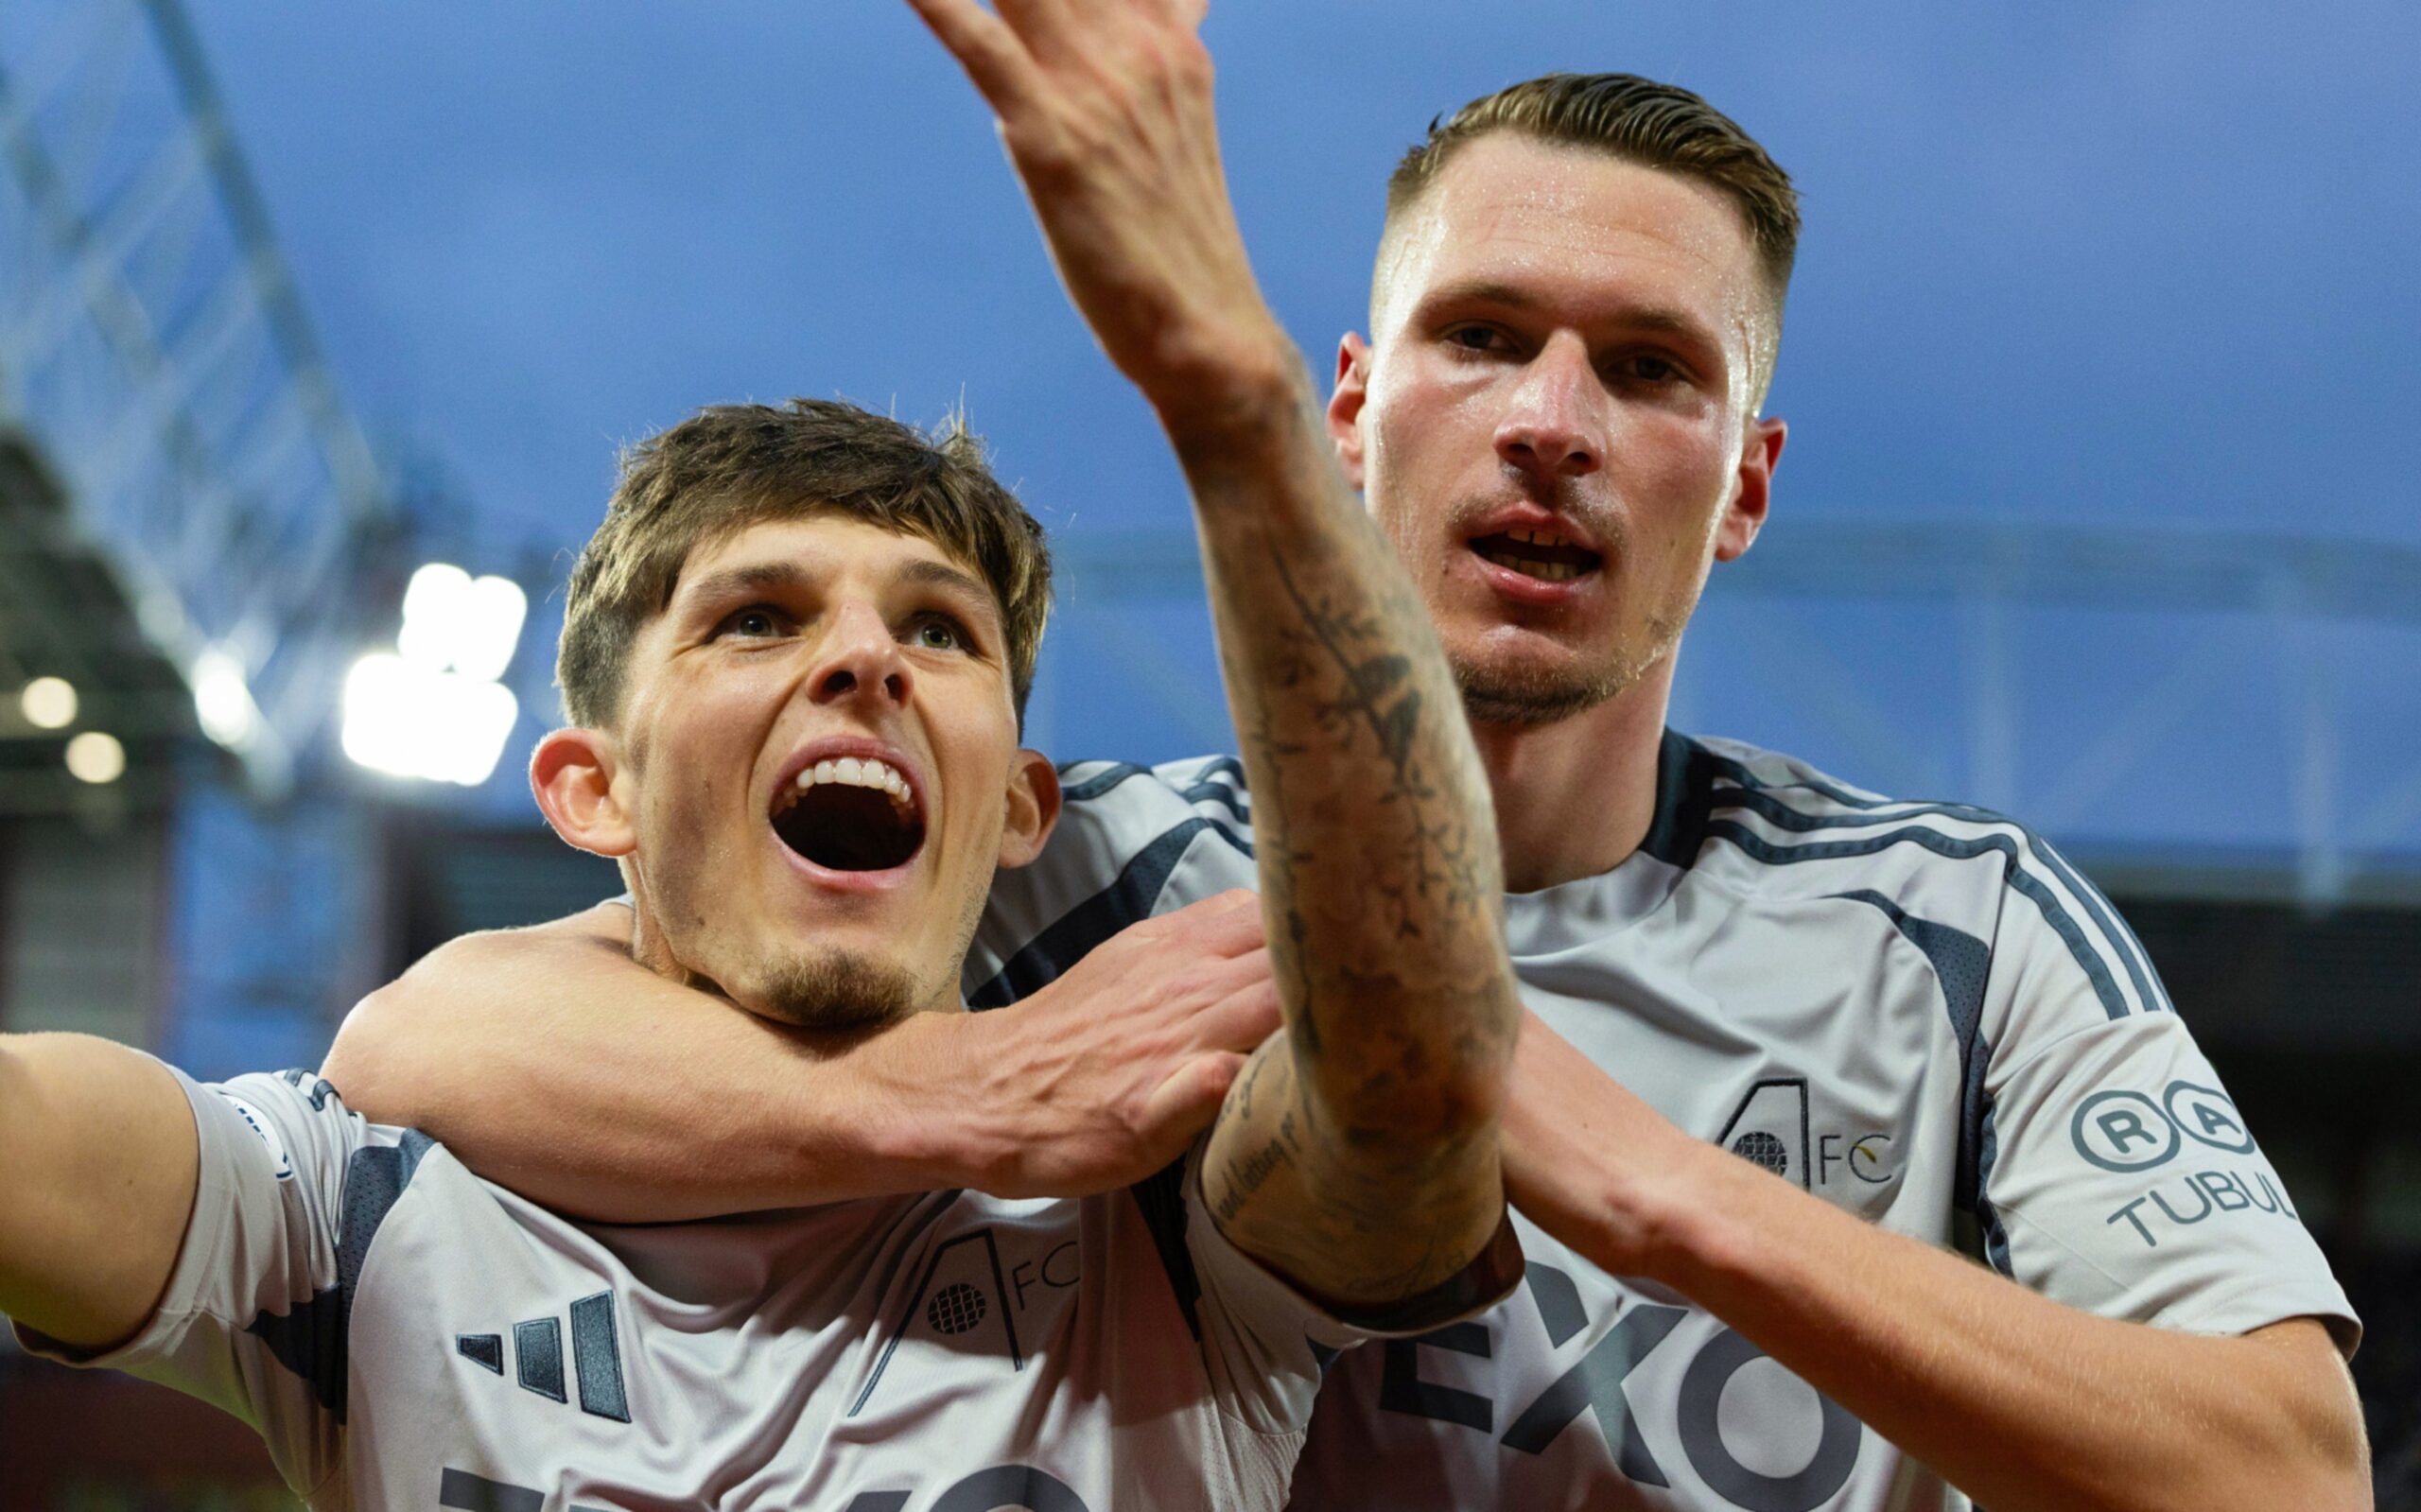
x=1106, y=109
x=1358, y=1157
x=1104, y=1076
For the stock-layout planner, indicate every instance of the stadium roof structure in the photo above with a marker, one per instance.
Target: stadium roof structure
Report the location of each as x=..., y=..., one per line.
x=185, y=498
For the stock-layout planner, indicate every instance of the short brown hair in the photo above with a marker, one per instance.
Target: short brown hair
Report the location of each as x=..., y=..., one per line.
x=1656, y=126
x=730, y=466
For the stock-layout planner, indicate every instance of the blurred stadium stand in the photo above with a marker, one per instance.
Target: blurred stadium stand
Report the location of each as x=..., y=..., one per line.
x=178, y=478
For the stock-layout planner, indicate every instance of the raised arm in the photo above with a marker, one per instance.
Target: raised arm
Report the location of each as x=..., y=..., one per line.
x=552, y=1063
x=97, y=1162
x=1359, y=1154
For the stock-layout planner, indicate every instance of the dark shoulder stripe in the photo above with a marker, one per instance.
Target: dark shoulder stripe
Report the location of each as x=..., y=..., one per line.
x=1087, y=925
x=1202, y=790
x=2112, y=923
x=1227, y=766
x=1685, y=776
x=2089, y=960
x=1101, y=782
x=2123, y=943
x=1233, y=799
x=315, y=1340
x=1738, y=771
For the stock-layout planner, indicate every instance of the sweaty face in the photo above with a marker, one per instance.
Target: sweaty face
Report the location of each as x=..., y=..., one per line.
x=819, y=748
x=1556, y=402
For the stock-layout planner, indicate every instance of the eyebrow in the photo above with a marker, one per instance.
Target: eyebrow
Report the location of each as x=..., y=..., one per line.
x=758, y=577
x=733, y=582
x=1509, y=295
x=942, y=574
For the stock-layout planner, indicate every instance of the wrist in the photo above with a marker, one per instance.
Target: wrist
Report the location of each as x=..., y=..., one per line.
x=1690, y=1220
x=923, y=1127
x=1228, y=382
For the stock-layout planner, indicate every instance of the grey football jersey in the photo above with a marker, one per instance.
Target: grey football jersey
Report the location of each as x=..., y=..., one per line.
x=1918, y=1012
x=407, y=1336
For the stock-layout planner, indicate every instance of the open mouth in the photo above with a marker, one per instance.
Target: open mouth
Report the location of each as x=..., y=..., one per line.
x=853, y=814
x=1541, y=554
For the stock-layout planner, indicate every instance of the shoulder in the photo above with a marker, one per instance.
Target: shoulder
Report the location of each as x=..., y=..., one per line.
x=1771, y=826
x=1122, y=794
x=1131, y=841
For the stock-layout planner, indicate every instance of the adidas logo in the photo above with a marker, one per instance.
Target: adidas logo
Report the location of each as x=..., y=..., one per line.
x=538, y=1356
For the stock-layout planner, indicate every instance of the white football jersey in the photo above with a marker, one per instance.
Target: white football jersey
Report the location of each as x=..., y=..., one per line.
x=408, y=1337
x=1918, y=1012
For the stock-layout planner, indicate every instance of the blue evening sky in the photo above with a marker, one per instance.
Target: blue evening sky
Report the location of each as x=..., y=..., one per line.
x=2080, y=264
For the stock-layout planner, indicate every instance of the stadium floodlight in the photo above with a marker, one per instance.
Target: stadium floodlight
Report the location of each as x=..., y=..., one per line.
x=50, y=702
x=95, y=757
x=222, y=699
x=433, y=708
x=410, y=720
x=456, y=622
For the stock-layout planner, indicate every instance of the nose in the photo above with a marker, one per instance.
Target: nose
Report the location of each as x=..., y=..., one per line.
x=1554, y=425
x=859, y=662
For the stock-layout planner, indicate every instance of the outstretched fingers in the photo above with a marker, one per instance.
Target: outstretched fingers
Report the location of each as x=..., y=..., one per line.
x=995, y=57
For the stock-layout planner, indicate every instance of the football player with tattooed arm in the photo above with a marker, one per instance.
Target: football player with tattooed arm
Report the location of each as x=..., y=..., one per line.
x=1793, y=1048
x=796, y=654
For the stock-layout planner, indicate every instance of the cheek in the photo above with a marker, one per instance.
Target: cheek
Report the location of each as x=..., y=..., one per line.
x=1420, y=445
x=1679, y=462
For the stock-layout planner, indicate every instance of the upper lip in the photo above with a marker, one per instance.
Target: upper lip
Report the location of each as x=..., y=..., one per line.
x=1521, y=514
x=832, y=748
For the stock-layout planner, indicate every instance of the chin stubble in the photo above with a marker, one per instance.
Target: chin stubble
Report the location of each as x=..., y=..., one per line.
x=1526, y=698
x=838, y=989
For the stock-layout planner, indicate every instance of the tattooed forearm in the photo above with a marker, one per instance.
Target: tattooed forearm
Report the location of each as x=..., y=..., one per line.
x=1380, y=691
x=1380, y=879
x=1377, y=846
x=1250, y=1171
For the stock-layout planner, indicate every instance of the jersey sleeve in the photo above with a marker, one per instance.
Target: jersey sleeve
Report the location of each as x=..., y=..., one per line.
x=1267, y=1344
x=2114, y=1171
x=249, y=1321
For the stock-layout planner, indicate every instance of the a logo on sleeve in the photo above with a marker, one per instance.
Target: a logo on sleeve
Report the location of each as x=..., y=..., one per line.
x=2126, y=1131
x=2132, y=1133
x=2123, y=1131
x=2208, y=1114
x=281, y=1161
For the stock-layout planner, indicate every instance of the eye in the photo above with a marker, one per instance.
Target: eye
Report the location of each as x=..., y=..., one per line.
x=756, y=623
x=1477, y=339
x=940, y=632
x=1651, y=367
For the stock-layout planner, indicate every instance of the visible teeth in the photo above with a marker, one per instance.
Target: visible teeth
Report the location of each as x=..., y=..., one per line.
x=1532, y=567
x=858, y=772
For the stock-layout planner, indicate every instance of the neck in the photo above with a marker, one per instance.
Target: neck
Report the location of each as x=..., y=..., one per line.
x=650, y=947
x=1575, y=798
x=848, y=1001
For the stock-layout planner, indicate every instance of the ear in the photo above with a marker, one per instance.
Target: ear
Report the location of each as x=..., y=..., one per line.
x=572, y=775
x=1344, y=405
x=1752, y=489
x=1034, y=807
